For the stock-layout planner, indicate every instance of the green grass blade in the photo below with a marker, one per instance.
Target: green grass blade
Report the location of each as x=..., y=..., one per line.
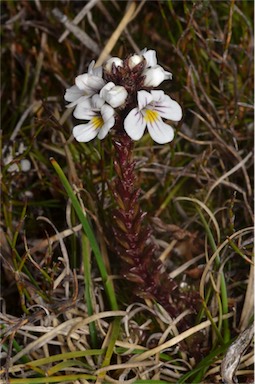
x=204, y=365
x=114, y=336
x=88, y=231
x=66, y=356
x=54, y=379
x=223, y=287
x=88, y=293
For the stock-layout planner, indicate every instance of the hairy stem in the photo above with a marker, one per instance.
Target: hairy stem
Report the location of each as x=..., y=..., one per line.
x=133, y=243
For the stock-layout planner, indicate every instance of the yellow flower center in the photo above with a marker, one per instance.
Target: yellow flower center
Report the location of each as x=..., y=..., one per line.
x=97, y=122
x=150, y=116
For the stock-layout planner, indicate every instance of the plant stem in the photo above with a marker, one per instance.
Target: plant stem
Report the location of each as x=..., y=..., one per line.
x=133, y=242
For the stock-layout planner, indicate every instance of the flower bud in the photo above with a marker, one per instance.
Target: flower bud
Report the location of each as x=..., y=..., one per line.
x=114, y=60
x=134, y=60
x=154, y=76
x=115, y=95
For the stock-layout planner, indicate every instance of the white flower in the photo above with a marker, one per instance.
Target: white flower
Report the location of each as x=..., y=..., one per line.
x=152, y=106
x=100, y=116
x=115, y=95
x=114, y=60
x=134, y=60
x=150, y=57
x=85, y=86
x=154, y=73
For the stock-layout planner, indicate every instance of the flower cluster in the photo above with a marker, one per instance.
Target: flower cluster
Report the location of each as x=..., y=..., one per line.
x=123, y=89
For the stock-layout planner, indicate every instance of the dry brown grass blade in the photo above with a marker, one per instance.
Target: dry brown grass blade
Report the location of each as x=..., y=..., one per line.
x=230, y=172
x=245, y=362
x=124, y=366
x=65, y=259
x=39, y=67
x=248, y=306
x=44, y=339
x=209, y=264
x=176, y=340
x=228, y=33
x=185, y=266
x=79, y=17
x=206, y=209
x=41, y=244
x=82, y=36
x=31, y=108
x=233, y=356
x=116, y=34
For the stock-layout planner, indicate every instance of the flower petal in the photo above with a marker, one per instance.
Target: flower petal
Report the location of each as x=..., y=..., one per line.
x=144, y=98
x=98, y=71
x=107, y=113
x=84, y=110
x=134, y=124
x=78, y=101
x=115, y=95
x=85, y=132
x=81, y=82
x=97, y=102
x=155, y=75
x=150, y=57
x=106, y=88
x=160, y=132
x=166, y=107
x=89, y=83
x=73, y=93
x=158, y=95
x=114, y=60
x=106, y=128
x=134, y=60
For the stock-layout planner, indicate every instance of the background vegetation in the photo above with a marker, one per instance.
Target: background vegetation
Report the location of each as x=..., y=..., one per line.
x=57, y=323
